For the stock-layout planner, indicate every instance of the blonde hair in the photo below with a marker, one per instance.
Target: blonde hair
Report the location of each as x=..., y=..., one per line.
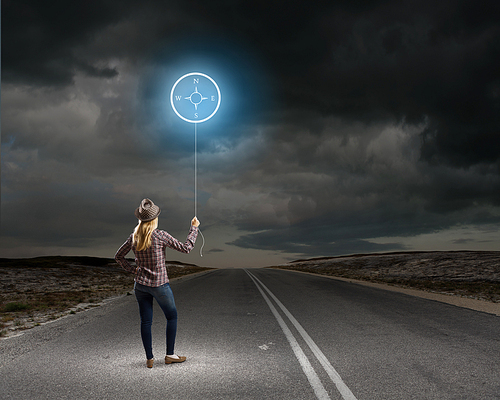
x=142, y=234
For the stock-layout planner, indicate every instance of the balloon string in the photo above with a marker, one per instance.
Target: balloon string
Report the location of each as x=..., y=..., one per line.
x=195, y=172
x=203, y=237
x=196, y=185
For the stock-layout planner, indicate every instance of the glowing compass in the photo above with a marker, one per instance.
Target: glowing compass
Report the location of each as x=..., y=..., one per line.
x=195, y=97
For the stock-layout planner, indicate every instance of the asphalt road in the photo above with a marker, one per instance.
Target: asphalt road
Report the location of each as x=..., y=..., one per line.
x=263, y=334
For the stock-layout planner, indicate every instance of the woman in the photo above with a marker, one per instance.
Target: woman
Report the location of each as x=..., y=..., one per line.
x=151, y=280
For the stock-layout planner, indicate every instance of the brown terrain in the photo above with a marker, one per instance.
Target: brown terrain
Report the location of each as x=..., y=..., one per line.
x=471, y=274
x=35, y=291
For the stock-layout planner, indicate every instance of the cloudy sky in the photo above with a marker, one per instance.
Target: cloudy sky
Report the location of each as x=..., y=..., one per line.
x=344, y=127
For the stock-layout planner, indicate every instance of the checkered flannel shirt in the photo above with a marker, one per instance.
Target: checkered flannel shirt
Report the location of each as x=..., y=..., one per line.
x=150, y=269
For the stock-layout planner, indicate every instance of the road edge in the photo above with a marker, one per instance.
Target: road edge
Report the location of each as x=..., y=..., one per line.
x=464, y=302
x=84, y=307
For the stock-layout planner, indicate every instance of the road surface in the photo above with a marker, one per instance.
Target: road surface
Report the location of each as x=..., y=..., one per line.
x=263, y=334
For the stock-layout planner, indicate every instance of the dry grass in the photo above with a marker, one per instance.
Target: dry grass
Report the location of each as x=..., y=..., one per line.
x=472, y=274
x=34, y=291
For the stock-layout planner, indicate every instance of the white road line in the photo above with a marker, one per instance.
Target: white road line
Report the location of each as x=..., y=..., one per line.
x=311, y=375
x=332, y=373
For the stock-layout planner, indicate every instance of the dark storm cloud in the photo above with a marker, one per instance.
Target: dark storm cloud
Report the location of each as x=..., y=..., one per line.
x=343, y=185
x=214, y=251
x=344, y=121
x=379, y=61
x=57, y=213
x=371, y=60
x=415, y=61
x=311, y=246
x=39, y=38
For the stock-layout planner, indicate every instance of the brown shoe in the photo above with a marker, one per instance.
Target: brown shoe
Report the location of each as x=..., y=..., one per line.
x=150, y=363
x=170, y=360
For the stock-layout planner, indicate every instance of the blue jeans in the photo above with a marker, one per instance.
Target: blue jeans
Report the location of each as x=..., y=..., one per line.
x=165, y=298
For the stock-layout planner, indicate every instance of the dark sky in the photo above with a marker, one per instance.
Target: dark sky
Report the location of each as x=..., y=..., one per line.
x=344, y=127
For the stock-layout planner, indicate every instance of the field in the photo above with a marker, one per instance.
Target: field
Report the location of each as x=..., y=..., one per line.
x=472, y=274
x=36, y=290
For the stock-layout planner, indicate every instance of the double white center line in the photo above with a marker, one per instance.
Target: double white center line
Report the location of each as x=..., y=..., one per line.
x=311, y=375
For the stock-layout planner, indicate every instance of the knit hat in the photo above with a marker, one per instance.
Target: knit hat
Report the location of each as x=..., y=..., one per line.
x=147, y=211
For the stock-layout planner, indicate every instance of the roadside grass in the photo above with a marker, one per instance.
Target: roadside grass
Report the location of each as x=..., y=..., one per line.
x=489, y=291
x=481, y=290
x=34, y=291
x=15, y=306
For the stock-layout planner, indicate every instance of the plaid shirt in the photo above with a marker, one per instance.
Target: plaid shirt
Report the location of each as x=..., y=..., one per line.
x=151, y=269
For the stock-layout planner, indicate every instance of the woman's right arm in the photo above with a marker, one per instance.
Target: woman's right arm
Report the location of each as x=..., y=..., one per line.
x=174, y=244
x=122, y=252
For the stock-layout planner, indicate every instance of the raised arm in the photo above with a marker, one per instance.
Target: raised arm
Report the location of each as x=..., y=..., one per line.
x=175, y=244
